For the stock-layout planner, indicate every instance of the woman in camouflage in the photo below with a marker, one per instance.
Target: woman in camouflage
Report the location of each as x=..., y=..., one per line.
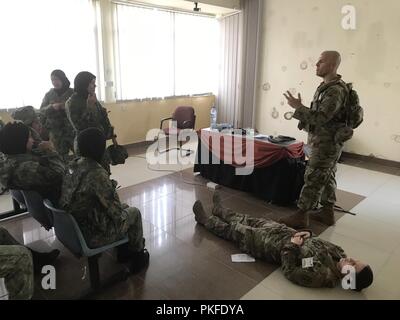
x=85, y=111
x=53, y=116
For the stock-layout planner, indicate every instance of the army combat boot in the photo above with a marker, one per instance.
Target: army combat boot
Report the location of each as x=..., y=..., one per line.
x=324, y=215
x=218, y=210
x=200, y=214
x=297, y=220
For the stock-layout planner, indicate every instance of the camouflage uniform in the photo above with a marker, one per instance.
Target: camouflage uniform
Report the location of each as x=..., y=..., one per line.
x=57, y=123
x=16, y=267
x=322, y=121
x=31, y=171
x=28, y=116
x=81, y=116
x=89, y=195
x=268, y=240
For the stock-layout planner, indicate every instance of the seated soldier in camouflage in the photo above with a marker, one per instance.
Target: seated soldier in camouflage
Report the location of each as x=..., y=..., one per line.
x=22, y=168
x=18, y=264
x=30, y=118
x=89, y=196
x=307, y=261
x=85, y=111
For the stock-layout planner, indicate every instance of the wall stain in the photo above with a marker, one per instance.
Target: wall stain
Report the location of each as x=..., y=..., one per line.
x=266, y=86
x=396, y=138
x=284, y=68
x=304, y=65
x=387, y=84
x=274, y=113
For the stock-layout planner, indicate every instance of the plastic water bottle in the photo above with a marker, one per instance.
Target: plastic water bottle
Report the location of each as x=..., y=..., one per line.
x=213, y=117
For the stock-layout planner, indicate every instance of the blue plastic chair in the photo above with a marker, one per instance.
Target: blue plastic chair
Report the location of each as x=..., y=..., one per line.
x=34, y=204
x=69, y=234
x=18, y=196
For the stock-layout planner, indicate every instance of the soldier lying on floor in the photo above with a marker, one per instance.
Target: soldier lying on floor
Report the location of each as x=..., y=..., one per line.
x=306, y=260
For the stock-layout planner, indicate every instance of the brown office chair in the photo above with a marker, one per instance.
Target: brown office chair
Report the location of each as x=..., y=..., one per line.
x=185, y=119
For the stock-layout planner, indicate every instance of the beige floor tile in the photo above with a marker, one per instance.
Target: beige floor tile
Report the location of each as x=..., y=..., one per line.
x=376, y=258
x=134, y=171
x=261, y=293
x=386, y=211
x=389, y=276
x=389, y=191
x=377, y=234
x=360, y=181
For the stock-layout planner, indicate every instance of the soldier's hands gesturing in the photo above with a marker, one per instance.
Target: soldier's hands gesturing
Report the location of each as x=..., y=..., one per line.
x=292, y=101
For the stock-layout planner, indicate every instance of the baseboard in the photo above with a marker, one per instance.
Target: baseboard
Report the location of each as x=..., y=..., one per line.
x=384, y=162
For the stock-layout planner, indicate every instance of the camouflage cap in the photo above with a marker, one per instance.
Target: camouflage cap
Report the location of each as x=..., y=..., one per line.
x=118, y=154
x=25, y=114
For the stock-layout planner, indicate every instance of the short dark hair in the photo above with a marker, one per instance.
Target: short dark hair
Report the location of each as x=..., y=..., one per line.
x=13, y=138
x=92, y=144
x=364, y=278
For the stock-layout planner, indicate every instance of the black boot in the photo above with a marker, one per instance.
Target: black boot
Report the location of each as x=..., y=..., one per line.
x=125, y=253
x=41, y=259
x=139, y=261
x=325, y=215
x=200, y=214
x=299, y=219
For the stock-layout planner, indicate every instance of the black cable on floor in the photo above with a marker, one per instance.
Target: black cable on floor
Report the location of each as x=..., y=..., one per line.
x=340, y=209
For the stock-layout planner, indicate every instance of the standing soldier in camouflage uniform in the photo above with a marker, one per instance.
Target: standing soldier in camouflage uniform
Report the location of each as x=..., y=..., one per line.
x=17, y=265
x=276, y=243
x=21, y=169
x=89, y=195
x=29, y=117
x=54, y=118
x=326, y=115
x=85, y=111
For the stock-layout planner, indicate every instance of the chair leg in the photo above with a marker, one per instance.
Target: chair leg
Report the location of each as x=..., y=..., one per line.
x=94, y=271
x=96, y=285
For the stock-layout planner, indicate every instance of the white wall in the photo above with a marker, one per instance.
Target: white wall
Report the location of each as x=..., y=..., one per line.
x=297, y=31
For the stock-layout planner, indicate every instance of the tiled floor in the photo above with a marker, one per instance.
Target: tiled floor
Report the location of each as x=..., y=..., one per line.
x=188, y=262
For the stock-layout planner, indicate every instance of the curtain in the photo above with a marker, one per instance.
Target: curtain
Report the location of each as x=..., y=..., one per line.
x=38, y=37
x=240, y=35
x=162, y=53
